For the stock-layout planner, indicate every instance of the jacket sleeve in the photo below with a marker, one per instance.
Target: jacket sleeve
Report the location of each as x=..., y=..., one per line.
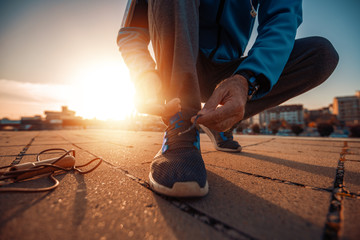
x=133, y=39
x=278, y=23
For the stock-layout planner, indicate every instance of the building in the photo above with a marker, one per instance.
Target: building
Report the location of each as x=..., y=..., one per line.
x=64, y=114
x=320, y=115
x=347, y=109
x=7, y=124
x=292, y=114
x=65, y=118
x=31, y=123
x=315, y=114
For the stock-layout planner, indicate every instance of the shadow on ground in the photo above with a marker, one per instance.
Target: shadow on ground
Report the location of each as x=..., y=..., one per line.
x=249, y=215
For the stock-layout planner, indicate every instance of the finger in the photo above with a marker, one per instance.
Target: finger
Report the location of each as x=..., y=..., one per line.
x=193, y=118
x=212, y=102
x=172, y=107
x=219, y=114
x=210, y=117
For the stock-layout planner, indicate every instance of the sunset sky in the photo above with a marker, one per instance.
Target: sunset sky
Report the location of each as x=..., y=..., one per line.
x=64, y=52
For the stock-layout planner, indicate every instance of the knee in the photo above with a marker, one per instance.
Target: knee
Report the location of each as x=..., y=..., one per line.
x=327, y=57
x=327, y=50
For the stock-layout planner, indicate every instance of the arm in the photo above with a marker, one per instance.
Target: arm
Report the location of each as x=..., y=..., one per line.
x=133, y=40
x=278, y=22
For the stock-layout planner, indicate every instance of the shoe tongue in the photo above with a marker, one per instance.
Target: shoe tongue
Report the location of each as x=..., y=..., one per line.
x=228, y=134
x=186, y=140
x=179, y=124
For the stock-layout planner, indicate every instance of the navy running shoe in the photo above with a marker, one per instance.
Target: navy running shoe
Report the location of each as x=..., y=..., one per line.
x=222, y=141
x=178, y=170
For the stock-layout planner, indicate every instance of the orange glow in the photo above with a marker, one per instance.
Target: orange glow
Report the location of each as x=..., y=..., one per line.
x=104, y=91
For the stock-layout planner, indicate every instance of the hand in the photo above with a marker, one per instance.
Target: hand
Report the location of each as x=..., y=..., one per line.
x=231, y=94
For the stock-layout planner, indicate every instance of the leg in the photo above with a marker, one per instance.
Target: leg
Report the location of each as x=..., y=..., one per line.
x=174, y=33
x=178, y=170
x=311, y=62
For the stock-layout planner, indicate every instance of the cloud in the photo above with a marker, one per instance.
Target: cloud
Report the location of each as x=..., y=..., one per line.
x=15, y=91
x=25, y=98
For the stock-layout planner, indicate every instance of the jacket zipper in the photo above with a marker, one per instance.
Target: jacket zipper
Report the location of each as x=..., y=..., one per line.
x=218, y=18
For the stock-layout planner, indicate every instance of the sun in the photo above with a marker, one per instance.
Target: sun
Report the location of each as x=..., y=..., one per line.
x=104, y=91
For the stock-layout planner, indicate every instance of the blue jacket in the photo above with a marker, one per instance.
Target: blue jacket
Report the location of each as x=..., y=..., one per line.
x=225, y=29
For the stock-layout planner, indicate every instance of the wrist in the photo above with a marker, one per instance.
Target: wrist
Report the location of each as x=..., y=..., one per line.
x=253, y=85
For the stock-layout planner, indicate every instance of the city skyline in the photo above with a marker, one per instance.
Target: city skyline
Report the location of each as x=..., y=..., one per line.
x=64, y=53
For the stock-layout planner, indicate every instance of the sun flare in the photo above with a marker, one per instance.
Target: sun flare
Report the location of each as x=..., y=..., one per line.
x=105, y=91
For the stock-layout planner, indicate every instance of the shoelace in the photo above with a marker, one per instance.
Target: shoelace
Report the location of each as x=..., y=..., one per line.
x=191, y=127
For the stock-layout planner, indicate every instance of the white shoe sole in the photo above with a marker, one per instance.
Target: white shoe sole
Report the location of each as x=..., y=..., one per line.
x=180, y=189
x=212, y=138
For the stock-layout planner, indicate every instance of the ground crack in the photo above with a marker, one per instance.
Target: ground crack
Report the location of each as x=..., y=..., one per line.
x=22, y=152
x=333, y=218
x=273, y=179
x=262, y=142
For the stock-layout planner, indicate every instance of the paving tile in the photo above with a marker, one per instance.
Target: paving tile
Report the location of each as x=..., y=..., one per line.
x=136, y=160
x=351, y=218
x=9, y=154
x=10, y=151
x=353, y=153
x=352, y=176
x=265, y=209
x=48, y=137
x=5, y=161
x=9, y=139
x=287, y=167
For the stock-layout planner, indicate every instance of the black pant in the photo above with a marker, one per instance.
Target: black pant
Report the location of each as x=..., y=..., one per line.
x=188, y=74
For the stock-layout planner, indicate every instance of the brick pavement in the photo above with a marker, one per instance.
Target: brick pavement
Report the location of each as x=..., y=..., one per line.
x=277, y=188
